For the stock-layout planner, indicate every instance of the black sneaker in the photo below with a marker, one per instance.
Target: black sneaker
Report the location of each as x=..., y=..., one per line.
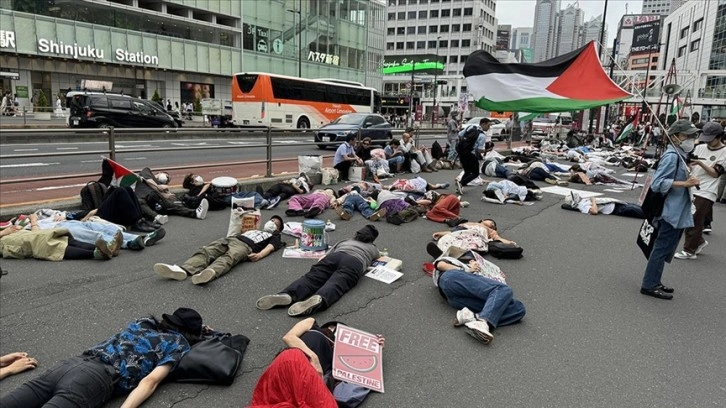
x=154, y=237
x=311, y=213
x=707, y=229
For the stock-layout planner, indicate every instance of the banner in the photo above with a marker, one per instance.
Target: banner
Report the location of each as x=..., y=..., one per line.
x=357, y=358
x=646, y=37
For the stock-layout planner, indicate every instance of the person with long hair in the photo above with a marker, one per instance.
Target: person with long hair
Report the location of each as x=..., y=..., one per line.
x=134, y=362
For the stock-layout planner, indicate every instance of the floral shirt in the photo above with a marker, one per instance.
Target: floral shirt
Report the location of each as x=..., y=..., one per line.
x=138, y=349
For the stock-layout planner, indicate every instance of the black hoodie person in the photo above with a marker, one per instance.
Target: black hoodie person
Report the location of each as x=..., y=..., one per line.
x=330, y=278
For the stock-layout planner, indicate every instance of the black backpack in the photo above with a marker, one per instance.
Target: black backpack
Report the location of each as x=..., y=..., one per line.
x=436, y=151
x=466, y=141
x=92, y=195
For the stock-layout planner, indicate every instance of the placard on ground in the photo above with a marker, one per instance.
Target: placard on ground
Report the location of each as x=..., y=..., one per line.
x=357, y=358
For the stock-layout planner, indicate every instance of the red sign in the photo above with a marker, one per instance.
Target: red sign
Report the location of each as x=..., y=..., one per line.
x=419, y=112
x=357, y=358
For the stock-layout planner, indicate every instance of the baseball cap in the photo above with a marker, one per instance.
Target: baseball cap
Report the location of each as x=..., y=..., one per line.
x=682, y=126
x=187, y=319
x=711, y=130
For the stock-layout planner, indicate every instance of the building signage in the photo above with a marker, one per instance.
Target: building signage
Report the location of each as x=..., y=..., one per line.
x=324, y=58
x=397, y=64
x=7, y=39
x=88, y=51
x=646, y=37
x=503, y=39
x=628, y=21
x=261, y=39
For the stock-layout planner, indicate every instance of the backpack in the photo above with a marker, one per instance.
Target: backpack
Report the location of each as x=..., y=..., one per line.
x=467, y=140
x=436, y=151
x=500, y=250
x=92, y=195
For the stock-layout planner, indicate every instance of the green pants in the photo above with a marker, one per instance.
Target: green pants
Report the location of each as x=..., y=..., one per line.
x=220, y=255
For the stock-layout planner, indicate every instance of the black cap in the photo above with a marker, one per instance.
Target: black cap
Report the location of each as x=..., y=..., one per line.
x=187, y=319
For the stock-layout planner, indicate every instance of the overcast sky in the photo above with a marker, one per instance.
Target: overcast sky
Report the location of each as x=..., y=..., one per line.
x=520, y=13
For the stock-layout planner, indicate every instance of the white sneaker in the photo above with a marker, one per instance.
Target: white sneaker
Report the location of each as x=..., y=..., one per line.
x=479, y=330
x=161, y=219
x=270, y=301
x=685, y=255
x=204, y=276
x=170, y=271
x=463, y=317
x=459, y=187
x=700, y=248
x=202, y=209
x=464, y=204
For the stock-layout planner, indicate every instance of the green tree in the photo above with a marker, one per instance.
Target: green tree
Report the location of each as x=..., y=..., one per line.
x=197, y=105
x=42, y=101
x=156, y=97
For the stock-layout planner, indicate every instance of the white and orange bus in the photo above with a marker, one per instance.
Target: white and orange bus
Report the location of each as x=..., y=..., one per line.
x=279, y=101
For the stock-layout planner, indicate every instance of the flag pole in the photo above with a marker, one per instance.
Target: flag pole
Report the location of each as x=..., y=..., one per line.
x=599, y=55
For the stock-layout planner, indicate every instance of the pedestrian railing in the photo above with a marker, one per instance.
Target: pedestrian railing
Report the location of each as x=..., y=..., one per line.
x=114, y=136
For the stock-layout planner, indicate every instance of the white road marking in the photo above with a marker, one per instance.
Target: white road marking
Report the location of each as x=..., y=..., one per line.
x=131, y=146
x=135, y=158
x=240, y=143
x=25, y=150
x=92, y=161
x=66, y=148
x=190, y=144
x=4, y=166
x=287, y=141
x=60, y=187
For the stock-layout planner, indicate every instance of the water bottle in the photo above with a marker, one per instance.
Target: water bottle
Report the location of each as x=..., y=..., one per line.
x=384, y=252
x=329, y=226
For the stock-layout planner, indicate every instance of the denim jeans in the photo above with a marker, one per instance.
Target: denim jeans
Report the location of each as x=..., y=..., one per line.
x=539, y=174
x=663, y=250
x=501, y=171
x=75, y=382
x=89, y=232
x=494, y=300
x=355, y=202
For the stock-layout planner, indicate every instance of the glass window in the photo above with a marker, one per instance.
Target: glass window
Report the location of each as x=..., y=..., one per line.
x=444, y=28
x=466, y=27
x=401, y=15
x=390, y=46
x=695, y=45
x=434, y=13
x=411, y=30
x=443, y=43
x=433, y=29
x=420, y=44
x=468, y=11
x=697, y=25
x=432, y=44
x=412, y=1
x=401, y=2
x=457, y=12
x=391, y=16
x=409, y=45
x=391, y=2
x=422, y=14
x=445, y=13
x=391, y=30
x=454, y=43
x=684, y=32
x=401, y=30
x=422, y=29
x=411, y=15
x=682, y=51
x=466, y=43
x=399, y=45
x=455, y=28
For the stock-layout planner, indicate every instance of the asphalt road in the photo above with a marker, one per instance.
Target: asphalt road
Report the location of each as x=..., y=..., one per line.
x=589, y=338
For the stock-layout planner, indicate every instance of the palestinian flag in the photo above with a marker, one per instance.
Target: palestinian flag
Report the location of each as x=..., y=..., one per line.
x=629, y=128
x=122, y=177
x=570, y=82
x=677, y=106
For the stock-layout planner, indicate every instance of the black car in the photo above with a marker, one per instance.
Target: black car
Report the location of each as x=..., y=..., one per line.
x=362, y=124
x=101, y=110
x=174, y=114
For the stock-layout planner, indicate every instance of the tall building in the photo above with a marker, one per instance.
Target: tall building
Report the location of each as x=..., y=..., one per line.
x=544, y=31
x=694, y=36
x=521, y=38
x=447, y=30
x=569, y=29
x=176, y=48
x=504, y=37
x=591, y=32
x=663, y=7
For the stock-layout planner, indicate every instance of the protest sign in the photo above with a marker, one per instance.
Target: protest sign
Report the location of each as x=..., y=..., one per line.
x=357, y=358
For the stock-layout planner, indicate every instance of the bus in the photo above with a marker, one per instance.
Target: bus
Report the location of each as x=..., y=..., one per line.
x=279, y=101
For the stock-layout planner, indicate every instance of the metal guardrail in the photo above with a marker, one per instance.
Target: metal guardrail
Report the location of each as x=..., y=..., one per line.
x=112, y=135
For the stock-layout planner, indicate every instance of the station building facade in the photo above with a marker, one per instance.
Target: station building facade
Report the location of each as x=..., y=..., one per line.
x=183, y=49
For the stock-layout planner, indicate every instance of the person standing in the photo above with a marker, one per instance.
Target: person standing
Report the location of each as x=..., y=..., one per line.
x=671, y=178
x=709, y=166
x=345, y=157
x=452, y=133
x=469, y=157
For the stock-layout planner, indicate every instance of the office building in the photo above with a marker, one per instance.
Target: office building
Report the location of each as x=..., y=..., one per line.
x=626, y=26
x=521, y=38
x=447, y=30
x=183, y=50
x=544, y=32
x=504, y=37
x=569, y=27
x=662, y=7
x=591, y=32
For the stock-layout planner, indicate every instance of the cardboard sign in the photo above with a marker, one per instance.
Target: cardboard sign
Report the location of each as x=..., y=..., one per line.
x=357, y=358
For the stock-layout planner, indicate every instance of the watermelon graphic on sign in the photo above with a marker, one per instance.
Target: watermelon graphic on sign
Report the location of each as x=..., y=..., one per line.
x=357, y=358
x=362, y=364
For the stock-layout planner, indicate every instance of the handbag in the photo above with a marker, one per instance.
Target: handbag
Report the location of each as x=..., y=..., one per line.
x=356, y=173
x=652, y=203
x=647, y=235
x=212, y=361
x=500, y=250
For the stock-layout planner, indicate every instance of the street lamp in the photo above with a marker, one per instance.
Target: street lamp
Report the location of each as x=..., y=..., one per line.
x=298, y=24
x=434, y=109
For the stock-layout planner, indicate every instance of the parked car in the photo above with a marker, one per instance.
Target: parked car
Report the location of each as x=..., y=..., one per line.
x=174, y=114
x=101, y=110
x=367, y=124
x=555, y=126
x=497, y=130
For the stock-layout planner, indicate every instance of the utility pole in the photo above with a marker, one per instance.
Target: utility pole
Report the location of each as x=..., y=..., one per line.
x=410, y=98
x=612, y=68
x=434, y=109
x=602, y=34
